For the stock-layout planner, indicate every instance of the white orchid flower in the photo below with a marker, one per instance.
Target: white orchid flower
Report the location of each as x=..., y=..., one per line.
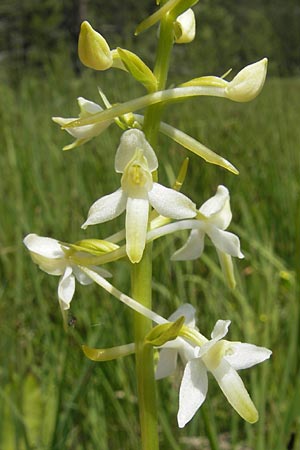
x=185, y=27
x=136, y=160
x=215, y=216
x=218, y=356
x=50, y=256
x=83, y=133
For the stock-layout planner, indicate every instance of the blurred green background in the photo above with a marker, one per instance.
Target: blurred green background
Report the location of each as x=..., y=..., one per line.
x=51, y=396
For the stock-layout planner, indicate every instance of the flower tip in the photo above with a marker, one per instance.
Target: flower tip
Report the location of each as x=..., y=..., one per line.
x=93, y=50
x=134, y=256
x=181, y=421
x=253, y=418
x=248, y=83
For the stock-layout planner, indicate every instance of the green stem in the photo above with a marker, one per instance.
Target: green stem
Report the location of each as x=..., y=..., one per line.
x=153, y=113
x=141, y=278
x=142, y=272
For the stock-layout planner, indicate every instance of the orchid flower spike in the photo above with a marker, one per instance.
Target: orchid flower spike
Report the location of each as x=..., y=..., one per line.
x=220, y=357
x=185, y=27
x=136, y=160
x=214, y=217
x=86, y=132
x=52, y=258
x=94, y=51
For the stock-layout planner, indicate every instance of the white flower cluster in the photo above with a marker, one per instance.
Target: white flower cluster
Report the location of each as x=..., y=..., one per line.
x=153, y=210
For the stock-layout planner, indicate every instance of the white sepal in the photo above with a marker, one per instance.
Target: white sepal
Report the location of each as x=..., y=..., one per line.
x=193, y=390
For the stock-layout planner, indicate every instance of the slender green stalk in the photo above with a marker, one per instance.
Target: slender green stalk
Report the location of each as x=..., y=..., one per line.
x=142, y=272
x=141, y=290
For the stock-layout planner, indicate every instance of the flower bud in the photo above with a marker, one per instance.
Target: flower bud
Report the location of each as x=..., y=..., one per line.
x=248, y=83
x=93, y=49
x=185, y=27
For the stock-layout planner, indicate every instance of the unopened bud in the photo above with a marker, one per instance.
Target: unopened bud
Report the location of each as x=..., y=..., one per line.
x=93, y=49
x=185, y=27
x=248, y=83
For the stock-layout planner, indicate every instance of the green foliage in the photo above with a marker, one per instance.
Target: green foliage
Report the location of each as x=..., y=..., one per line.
x=51, y=396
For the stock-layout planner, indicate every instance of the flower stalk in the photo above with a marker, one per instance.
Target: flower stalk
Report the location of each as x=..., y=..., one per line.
x=141, y=277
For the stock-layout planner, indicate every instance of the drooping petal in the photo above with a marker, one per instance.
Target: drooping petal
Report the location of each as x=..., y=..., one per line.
x=106, y=208
x=46, y=253
x=235, y=392
x=131, y=140
x=66, y=288
x=225, y=241
x=167, y=363
x=170, y=203
x=193, y=390
x=44, y=246
x=193, y=247
x=137, y=212
x=242, y=355
x=217, y=208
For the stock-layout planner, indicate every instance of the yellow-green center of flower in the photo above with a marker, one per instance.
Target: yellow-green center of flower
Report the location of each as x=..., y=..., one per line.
x=137, y=177
x=213, y=357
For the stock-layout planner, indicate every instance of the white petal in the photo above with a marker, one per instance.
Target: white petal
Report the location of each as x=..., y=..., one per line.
x=83, y=133
x=66, y=288
x=235, y=392
x=170, y=203
x=44, y=246
x=106, y=208
x=192, y=249
x=220, y=329
x=242, y=355
x=167, y=363
x=193, y=390
x=186, y=350
x=186, y=310
x=187, y=25
x=54, y=263
x=130, y=141
x=248, y=83
x=225, y=241
x=217, y=208
x=50, y=266
x=87, y=107
x=137, y=212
